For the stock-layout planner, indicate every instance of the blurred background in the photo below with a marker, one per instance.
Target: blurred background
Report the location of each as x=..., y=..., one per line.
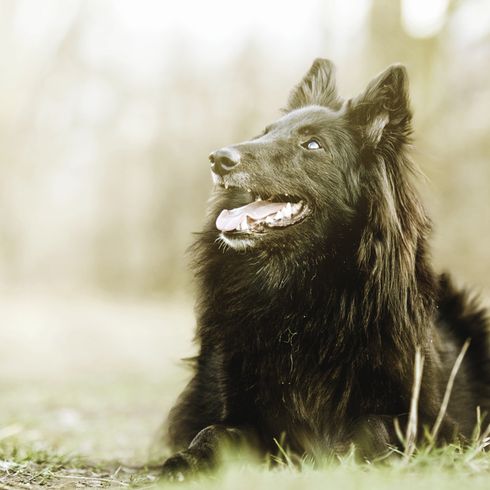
x=108, y=110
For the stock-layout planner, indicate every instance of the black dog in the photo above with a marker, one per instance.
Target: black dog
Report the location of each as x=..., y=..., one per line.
x=316, y=289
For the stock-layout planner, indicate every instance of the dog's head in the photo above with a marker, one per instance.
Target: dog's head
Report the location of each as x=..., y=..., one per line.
x=307, y=173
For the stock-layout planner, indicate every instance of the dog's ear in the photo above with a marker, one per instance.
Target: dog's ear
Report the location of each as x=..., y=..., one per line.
x=316, y=88
x=383, y=110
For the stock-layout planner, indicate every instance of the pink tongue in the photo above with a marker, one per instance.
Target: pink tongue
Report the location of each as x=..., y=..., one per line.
x=229, y=220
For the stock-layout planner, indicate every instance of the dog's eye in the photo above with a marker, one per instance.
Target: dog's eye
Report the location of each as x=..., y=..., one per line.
x=312, y=145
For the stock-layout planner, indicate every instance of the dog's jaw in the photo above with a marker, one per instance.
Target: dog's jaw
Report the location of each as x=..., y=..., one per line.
x=238, y=243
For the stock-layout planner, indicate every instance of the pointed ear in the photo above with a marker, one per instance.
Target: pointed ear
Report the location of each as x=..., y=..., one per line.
x=316, y=88
x=383, y=110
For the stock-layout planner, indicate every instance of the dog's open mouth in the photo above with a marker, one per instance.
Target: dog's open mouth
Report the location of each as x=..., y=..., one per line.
x=263, y=214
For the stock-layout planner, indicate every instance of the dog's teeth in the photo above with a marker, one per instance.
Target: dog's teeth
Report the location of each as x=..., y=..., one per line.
x=249, y=190
x=286, y=194
x=258, y=198
x=287, y=210
x=279, y=215
x=269, y=220
x=226, y=185
x=243, y=224
x=295, y=207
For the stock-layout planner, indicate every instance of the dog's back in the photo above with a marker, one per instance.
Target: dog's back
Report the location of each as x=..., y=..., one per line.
x=462, y=319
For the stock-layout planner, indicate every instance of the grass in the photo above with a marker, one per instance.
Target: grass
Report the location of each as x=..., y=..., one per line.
x=84, y=396
x=26, y=466
x=63, y=443
x=451, y=467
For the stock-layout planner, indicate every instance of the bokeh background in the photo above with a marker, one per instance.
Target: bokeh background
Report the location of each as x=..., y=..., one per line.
x=108, y=110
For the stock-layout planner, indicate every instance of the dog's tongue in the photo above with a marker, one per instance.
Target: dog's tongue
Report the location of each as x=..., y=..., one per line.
x=229, y=220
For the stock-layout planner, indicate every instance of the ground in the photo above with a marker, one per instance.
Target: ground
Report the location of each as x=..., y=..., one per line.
x=86, y=383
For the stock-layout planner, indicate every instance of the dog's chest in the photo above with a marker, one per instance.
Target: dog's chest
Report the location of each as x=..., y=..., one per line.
x=288, y=385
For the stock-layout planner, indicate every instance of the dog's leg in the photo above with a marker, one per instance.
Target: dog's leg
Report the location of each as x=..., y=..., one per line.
x=203, y=402
x=204, y=451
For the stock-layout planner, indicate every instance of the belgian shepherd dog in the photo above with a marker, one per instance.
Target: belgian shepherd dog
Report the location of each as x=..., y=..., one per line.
x=316, y=290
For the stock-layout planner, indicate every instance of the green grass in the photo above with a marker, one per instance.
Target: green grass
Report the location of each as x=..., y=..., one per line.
x=451, y=467
x=94, y=435
x=25, y=467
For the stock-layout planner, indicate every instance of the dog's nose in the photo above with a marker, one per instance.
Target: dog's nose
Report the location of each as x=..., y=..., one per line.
x=223, y=160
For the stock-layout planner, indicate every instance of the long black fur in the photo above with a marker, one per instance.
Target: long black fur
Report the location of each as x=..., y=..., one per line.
x=311, y=333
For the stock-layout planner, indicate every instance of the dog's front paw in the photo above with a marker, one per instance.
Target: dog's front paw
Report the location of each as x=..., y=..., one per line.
x=177, y=468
